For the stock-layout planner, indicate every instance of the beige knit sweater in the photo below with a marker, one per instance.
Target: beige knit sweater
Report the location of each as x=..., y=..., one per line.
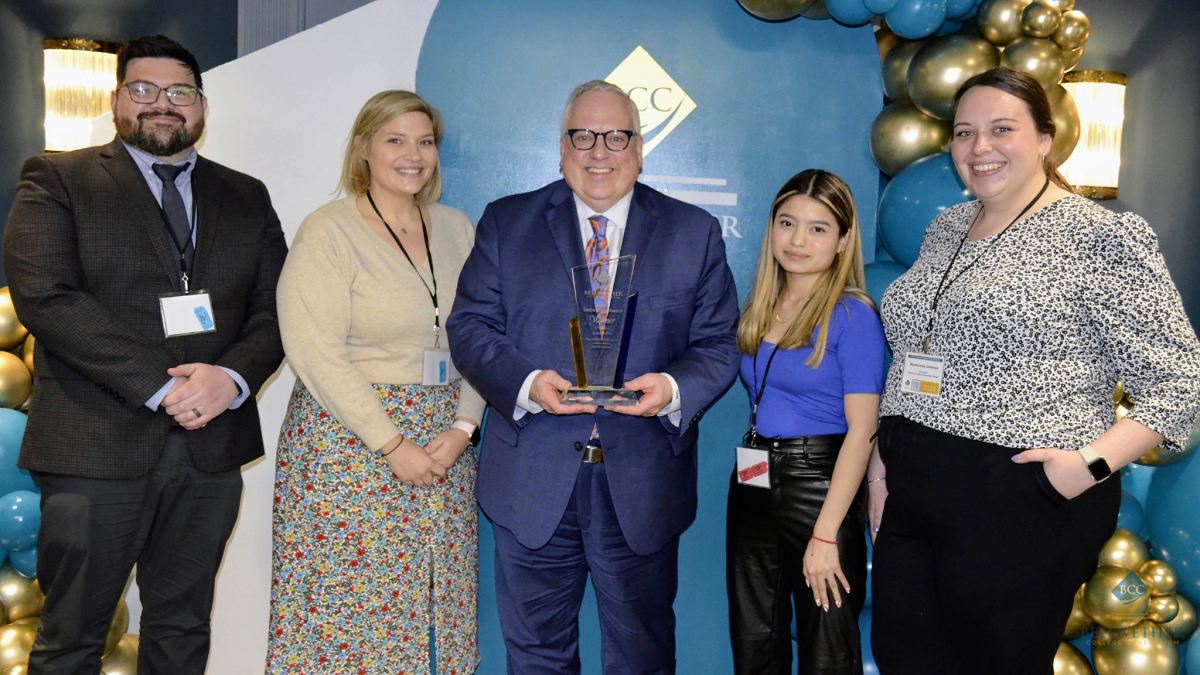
x=353, y=312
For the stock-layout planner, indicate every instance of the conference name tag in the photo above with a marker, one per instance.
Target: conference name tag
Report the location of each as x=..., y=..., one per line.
x=438, y=369
x=922, y=374
x=753, y=467
x=187, y=314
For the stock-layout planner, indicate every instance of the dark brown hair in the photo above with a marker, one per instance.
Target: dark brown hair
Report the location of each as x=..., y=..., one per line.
x=156, y=47
x=1024, y=87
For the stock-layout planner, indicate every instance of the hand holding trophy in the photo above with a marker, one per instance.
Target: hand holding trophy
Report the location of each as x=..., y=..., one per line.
x=600, y=332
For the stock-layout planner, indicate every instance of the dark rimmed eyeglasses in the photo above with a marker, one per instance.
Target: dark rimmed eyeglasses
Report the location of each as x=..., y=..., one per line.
x=615, y=140
x=179, y=94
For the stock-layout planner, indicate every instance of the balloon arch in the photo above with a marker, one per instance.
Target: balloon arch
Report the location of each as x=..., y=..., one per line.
x=1137, y=613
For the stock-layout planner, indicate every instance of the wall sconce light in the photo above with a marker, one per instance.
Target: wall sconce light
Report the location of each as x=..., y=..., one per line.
x=1094, y=166
x=80, y=75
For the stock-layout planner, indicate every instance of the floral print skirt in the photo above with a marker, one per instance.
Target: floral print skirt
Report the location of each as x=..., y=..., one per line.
x=365, y=565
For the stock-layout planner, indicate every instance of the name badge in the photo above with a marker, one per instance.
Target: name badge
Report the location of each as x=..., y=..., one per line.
x=438, y=369
x=187, y=314
x=753, y=467
x=922, y=374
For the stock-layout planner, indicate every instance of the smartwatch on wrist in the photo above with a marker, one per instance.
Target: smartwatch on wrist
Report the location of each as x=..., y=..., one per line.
x=1095, y=463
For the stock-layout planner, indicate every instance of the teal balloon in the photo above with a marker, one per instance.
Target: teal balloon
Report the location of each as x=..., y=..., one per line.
x=864, y=634
x=25, y=562
x=916, y=19
x=849, y=12
x=12, y=429
x=1191, y=655
x=911, y=201
x=1173, y=521
x=20, y=517
x=1131, y=516
x=880, y=6
x=880, y=275
x=1135, y=479
x=956, y=10
x=948, y=27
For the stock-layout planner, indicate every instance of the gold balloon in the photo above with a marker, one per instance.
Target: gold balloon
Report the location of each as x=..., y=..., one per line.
x=20, y=596
x=1116, y=597
x=902, y=134
x=1074, y=30
x=886, y=40
x=1039, y=57
x=1184, y=624
x=1160, y=575
x=1065, y=114
x=940, y=67
x=895, y=68
x=1070, y=661
x=1079, y=620
x=1072, y=58
x=1040, y=19
x=1140, y=650
x=123, y=659
x=1067, y=5
x=31, y=621
x=817, y=10
x=1059, y=5
x=775, y=10
x=18, y=669
x=118, y=626
x=1163, y=608
x=27, y=353
x=1000, y=20
x=11, y=330
x=15, y=642
x=15, y=381
x=1124, y=549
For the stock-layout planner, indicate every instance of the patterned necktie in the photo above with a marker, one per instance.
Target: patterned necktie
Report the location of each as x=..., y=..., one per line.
x=597, y=260
x=173, y=209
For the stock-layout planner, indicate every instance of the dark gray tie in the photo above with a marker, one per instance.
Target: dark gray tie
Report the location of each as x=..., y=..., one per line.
x=173, y=209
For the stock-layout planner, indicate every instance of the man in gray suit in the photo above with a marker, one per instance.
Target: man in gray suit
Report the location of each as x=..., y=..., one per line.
x=147, y=274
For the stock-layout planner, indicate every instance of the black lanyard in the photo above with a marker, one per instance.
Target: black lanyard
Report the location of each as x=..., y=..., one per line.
x=943, y=286
x=437, y=324
x=759, y=393
x=185, y=270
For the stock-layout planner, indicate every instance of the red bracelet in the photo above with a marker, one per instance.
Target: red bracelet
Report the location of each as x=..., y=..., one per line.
x=823, y=541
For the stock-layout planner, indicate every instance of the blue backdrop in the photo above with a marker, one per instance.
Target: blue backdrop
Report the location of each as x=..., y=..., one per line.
x=769, y=101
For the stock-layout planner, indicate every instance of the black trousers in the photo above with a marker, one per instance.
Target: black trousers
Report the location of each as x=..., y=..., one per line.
x=173, y=523
x=977, y=558
x=767, y=533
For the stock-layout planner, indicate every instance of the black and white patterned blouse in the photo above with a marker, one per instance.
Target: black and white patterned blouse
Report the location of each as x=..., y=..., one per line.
x=1037, y=333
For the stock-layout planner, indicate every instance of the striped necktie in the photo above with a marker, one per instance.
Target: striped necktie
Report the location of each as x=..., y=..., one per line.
x=597, y=260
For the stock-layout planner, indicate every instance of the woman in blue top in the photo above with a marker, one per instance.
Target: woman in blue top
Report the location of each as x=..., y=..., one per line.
x=813, y=358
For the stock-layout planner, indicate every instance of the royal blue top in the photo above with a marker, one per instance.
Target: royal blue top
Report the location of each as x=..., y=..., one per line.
x=802, y=401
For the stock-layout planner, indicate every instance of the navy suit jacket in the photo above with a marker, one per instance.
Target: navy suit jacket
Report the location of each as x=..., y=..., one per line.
x=515, y=301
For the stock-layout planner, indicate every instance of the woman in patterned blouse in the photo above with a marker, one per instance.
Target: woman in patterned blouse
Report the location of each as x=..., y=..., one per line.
x=998, y=436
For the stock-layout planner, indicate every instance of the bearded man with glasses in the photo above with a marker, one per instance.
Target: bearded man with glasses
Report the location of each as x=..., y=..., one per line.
x=148, y=275
x=575, y=490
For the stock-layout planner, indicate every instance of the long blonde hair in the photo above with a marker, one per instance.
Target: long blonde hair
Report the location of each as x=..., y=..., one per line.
x=844, y=277
x=376, y=112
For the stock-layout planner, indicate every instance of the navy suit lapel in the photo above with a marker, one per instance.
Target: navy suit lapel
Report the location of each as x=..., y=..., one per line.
x=206, y=201
x=563, y=223
x=639, y=230
x=140, y=204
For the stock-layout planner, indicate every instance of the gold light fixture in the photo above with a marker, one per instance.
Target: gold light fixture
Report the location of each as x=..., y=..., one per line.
x=80, y=75
x=1094, y=166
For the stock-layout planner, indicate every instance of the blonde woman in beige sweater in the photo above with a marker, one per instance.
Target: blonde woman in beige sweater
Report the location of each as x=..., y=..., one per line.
x=375, y=523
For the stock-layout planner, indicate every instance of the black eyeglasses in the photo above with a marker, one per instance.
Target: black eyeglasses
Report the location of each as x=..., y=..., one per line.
x=615, y=140
x=179, y=94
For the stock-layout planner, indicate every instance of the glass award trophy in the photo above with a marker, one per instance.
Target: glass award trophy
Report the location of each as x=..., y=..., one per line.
x=600, y=332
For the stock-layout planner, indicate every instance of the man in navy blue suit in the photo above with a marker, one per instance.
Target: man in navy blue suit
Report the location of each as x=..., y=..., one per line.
x=572, y=489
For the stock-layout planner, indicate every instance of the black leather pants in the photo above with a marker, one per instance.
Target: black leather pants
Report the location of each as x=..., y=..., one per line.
x=767, y=533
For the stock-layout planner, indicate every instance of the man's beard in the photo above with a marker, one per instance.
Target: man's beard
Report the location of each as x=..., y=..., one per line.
x=135, y=133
